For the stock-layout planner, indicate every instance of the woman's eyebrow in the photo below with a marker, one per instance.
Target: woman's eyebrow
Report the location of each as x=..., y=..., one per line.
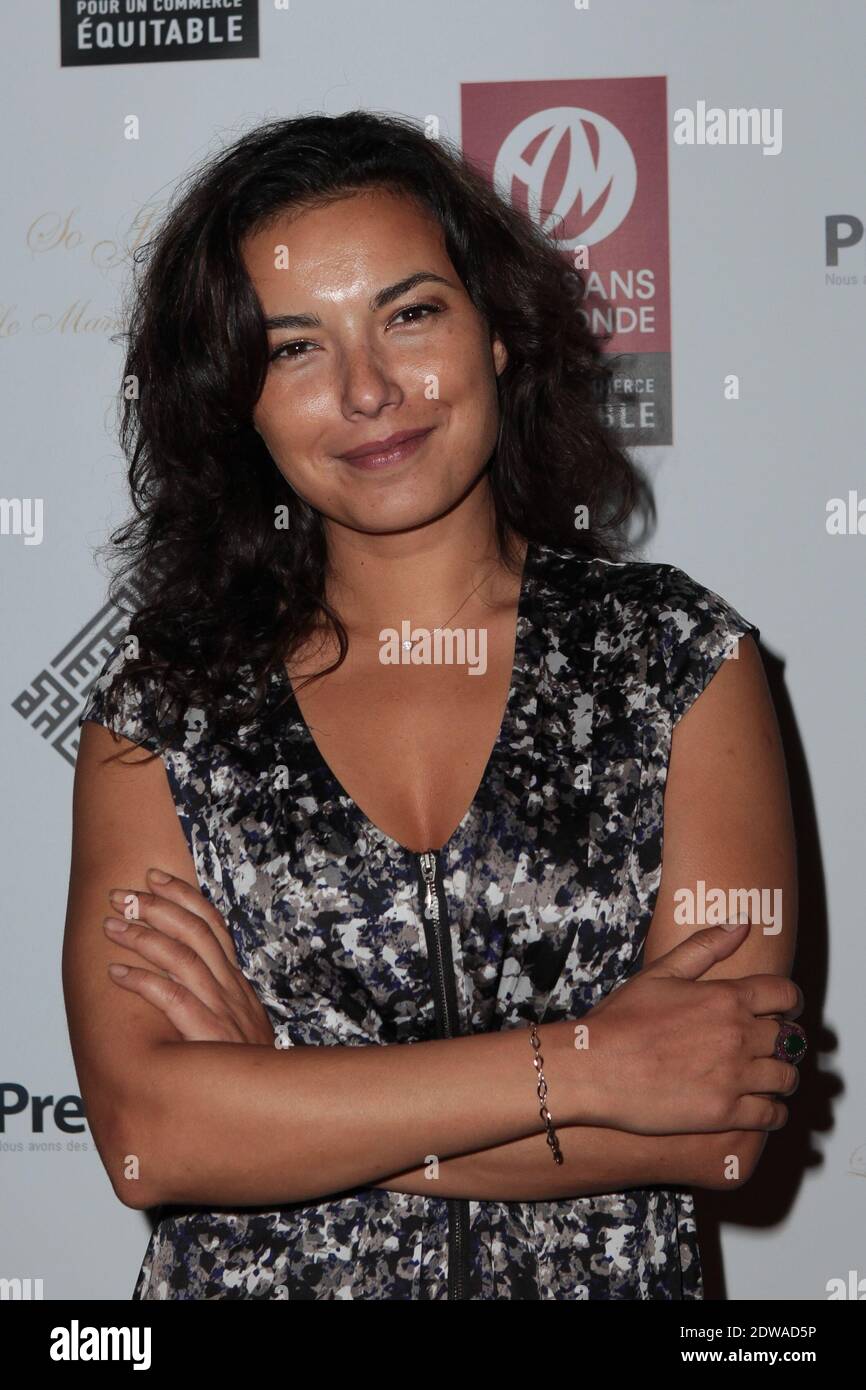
x=379, y=301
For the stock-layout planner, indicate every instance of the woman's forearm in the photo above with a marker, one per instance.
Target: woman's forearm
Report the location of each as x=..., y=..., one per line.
x=235, y=1123
x=595, y=1160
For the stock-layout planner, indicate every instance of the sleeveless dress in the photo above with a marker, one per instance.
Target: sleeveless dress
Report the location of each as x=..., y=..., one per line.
x=536, y=907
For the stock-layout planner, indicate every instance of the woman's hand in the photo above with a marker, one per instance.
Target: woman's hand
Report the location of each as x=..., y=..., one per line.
x=677, y=1055
x=196, y=980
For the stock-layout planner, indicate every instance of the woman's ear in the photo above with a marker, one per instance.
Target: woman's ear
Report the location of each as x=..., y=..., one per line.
x=500, y=354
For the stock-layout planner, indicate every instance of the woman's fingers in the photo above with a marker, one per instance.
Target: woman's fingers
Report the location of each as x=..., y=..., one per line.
x=193, y=1020
x=228, y=995
x=179, y=931
x=766, y=1076
x=760, y=1112
x=766, y=1033
x=181, y=924
x=188, y=896
x=183, y=964
x=770, y=994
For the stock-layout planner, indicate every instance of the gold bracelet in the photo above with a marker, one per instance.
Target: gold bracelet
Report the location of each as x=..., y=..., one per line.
x=538, y=1063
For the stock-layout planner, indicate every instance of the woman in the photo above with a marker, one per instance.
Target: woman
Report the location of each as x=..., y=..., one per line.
x=415, y=721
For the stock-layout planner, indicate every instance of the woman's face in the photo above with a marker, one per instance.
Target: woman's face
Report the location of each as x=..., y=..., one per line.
x=371, y=361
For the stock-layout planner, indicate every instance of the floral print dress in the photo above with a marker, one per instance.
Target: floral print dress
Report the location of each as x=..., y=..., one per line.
x=536, y=907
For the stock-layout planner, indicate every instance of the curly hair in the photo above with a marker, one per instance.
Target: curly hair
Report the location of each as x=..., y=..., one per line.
x=216, y=584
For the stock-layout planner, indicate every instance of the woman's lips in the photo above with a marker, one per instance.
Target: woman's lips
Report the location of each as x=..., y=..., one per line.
x=396, y=454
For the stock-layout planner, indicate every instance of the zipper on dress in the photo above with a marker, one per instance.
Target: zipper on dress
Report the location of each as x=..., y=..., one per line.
x=438, y=936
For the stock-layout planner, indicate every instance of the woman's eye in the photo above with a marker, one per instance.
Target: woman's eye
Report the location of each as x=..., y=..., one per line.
x=286, y=350
x=417, y=309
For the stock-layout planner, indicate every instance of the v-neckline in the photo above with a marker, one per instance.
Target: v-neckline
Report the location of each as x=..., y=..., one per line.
x=338, y=791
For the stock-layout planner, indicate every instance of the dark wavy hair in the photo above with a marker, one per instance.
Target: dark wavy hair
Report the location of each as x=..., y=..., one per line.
x=216, y=585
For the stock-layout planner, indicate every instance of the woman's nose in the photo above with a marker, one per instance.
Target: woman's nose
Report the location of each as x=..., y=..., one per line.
x=367, y=381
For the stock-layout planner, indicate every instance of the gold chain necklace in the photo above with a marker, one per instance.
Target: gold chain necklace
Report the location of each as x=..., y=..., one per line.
x=409, y=643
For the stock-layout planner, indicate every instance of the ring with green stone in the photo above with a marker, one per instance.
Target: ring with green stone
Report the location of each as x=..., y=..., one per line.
x=790, y=1043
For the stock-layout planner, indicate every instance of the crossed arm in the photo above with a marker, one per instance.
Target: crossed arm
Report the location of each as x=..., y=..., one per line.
x=230, y=1125
x=728, y=822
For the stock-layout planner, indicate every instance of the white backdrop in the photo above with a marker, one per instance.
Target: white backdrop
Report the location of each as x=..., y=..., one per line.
x=742, y=495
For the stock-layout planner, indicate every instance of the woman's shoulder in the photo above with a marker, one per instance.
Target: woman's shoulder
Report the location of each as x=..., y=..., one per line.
x=680, y=627
x=697, y=629
x=122, y=701
x=671, y=596
x=128, y=701
x=133, y=702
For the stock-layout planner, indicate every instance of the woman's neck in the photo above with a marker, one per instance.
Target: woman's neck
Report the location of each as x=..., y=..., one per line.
x=450, y=567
